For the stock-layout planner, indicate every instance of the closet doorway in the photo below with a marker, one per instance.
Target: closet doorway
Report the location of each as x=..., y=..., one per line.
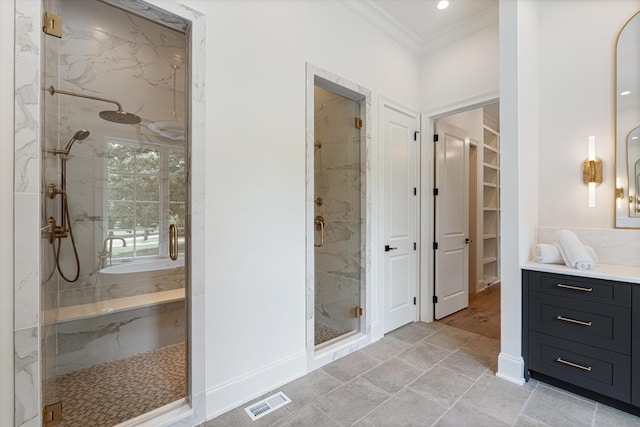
x=474, y=198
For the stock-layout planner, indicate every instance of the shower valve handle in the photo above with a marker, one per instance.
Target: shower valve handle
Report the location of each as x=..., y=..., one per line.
x=52, y=190
x=56, y=231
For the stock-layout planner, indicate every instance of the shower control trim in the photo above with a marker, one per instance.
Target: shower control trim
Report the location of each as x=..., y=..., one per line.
x=55, y=231
x=53, y=191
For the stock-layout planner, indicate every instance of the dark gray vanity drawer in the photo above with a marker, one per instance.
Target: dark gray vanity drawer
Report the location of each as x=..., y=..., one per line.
x=602, y=371
x=581, y=288
x=605, y=326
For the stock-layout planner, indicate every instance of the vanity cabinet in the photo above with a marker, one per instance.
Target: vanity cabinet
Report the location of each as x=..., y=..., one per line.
x=579, y=330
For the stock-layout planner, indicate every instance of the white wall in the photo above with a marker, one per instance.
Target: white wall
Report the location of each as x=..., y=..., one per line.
x=256, y=174
x=6, y=214
x=470, y=120
x=519, y=105
x=576, y=45
x=463, y=70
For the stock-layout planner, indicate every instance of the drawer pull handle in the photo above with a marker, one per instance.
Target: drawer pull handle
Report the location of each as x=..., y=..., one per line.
x=575, y=365
x=579, y=322
x=575, y=288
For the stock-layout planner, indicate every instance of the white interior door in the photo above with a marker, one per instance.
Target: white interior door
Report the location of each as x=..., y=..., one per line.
x=451, y=220
x=401, y=156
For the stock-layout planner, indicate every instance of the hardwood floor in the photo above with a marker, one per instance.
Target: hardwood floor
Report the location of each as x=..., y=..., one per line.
x=482, y=316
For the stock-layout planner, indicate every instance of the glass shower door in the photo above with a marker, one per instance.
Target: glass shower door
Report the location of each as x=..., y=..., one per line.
x=114, y=324
x=338, y=223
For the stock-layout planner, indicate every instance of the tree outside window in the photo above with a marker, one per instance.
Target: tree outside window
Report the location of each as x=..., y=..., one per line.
x=146, y=192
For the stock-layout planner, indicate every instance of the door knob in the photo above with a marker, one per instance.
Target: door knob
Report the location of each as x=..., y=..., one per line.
x=467, y=241
x=388, y=248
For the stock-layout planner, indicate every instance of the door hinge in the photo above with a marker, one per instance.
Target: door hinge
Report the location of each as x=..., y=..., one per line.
x=415, y=135
x=415, y=191
x=435, y=245
x=415, y=246
x=435, y=299
x=357, y=312
x=52, y=24
x=435, y=191
x=52, y=415
x=435, y=138
x=414, y=301
x=358, y=123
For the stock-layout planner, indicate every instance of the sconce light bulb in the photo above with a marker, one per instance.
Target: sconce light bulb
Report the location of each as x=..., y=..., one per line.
x=592, y=194
x=592, y=148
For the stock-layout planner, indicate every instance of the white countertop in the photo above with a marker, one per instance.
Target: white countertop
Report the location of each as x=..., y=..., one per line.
x=620, y=273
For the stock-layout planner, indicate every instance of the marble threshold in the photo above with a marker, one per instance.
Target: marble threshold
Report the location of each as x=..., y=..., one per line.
x=116, y=305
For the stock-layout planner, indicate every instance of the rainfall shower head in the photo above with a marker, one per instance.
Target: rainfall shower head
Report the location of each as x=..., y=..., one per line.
x=116, y=116
x=119, y=116
x=79, y=136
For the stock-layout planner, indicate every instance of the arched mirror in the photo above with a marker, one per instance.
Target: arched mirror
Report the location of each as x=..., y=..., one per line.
x=627, y=89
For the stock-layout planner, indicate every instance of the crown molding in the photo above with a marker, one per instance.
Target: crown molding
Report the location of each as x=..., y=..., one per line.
x=395, y=30
x=464, y=28
x=388, y=25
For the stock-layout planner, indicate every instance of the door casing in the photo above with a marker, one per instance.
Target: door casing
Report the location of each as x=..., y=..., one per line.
x=427, y=164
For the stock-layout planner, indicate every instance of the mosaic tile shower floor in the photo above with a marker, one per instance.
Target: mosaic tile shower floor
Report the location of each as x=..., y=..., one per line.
x=110, y=393
x=324, y=333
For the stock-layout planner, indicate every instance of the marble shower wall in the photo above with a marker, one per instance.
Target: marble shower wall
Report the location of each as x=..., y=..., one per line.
x=338, y=160
x=27, y=214
x=114, y=336
x=109, y=53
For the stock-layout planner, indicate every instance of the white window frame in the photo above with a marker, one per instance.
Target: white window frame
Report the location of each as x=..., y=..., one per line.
x=164, y=202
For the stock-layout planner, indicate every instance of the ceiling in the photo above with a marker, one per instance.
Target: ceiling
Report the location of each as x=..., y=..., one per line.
x=419, y=26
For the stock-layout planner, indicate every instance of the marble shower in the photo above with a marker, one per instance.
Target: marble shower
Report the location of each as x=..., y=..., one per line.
x=338, y=171
x=108, y=53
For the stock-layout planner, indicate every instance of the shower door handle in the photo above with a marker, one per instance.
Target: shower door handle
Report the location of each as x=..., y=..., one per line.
x=173, y=241
x=319, y=223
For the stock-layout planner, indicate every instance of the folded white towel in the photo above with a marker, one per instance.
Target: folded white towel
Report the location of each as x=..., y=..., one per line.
x=550, y=254
x=573, y=252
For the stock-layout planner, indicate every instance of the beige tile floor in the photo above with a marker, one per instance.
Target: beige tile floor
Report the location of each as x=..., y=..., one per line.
x=426, y=375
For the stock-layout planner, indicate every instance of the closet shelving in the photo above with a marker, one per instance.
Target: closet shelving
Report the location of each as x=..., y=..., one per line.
x=490, y=257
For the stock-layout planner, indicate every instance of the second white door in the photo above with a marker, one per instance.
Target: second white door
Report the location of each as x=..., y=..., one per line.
x=451, y=220
x=400, y=216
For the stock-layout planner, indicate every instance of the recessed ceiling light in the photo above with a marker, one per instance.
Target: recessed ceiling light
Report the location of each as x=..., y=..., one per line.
x=443, y=4
x=626, y=92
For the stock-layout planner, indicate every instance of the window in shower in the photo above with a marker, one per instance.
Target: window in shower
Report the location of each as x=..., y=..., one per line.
x=145, y=188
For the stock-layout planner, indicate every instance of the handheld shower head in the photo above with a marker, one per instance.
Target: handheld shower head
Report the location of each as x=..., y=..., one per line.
x=79, y=136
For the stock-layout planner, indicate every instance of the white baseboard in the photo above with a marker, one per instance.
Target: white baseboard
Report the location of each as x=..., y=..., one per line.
x=376, y=332
x=241, y=390
x=511, y=368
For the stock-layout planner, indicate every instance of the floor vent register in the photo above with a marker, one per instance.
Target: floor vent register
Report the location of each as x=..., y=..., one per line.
x=266, y=406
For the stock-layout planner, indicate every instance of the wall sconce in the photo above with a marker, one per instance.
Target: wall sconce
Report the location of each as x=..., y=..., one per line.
x=619, y=190
x=619, y=194
x=592, y=171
